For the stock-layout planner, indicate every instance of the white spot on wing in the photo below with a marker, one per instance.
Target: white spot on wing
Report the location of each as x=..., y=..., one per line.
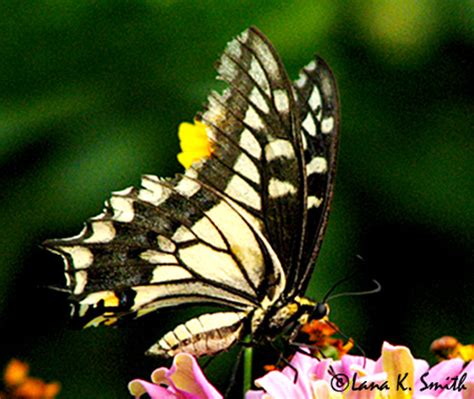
x=156, y=257
x=152, y=191
x=317, y=165
x=182, y=234
x=166, y=244
x=257, y=98
x=243, y=37
x=187, y=187
x=279, y=148
x=309, y=125
x=169, y=273
x=314, y=202
x=311, y=66
x=257, y=73
x=81, y=281
x=103, y=231
x=315, y=99
x=327, y=124
x=252, y=119
x=124, y=192
x=249, y=143
x=238, y=189
x=234, y=48
x=302, y=79
x=81, y=256
x=278, y=188
x=304, y=142
x=281, y=100
x=227, y=69
x=123, y=208
x=263, y=53
x=247, y=168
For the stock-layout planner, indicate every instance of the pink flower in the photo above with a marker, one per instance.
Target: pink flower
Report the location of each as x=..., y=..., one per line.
x=184, y=380
x=395, y=375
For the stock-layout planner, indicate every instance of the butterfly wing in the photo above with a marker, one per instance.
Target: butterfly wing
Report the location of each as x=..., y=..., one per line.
x=232, y=230
x=257, y=157
x=169, y=243
x=318, y=104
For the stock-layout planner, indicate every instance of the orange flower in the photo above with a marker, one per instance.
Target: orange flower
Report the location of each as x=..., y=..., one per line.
x=320, y=334
x=19, y=385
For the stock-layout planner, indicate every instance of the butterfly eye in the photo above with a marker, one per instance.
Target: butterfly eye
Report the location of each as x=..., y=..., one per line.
x=320, y=311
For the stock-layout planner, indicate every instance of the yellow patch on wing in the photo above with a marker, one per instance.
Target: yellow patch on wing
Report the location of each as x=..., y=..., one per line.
x=195, y=144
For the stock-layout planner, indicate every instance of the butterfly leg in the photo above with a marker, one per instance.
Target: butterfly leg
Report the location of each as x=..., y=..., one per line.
x=283, y=359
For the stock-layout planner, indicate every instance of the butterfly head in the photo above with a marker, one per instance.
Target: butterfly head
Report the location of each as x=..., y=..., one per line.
x=310, y=310
x=320, y=311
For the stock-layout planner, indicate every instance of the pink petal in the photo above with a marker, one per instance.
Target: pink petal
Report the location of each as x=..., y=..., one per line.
x=303, y=364
x=278, y=386
x=321, y=370
x=255, y=395
x=438, y=374
x=421, y=367
x=139, y=387
x=186, y=376
x=349, y=361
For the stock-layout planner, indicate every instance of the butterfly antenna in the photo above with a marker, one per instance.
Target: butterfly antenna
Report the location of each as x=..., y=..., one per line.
x=331, y=290
x=54, y=288
x=377, y=289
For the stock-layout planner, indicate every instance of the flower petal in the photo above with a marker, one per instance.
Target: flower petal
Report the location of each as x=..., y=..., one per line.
x=187, y=378
x=278, y=386
x=303, y=364
x=15, y=373
x=439, y=374
x=138, y=388
x=194, y=142
x=398, y=361
x=322, y=390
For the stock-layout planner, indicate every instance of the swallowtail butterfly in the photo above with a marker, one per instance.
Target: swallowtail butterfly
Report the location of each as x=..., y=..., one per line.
x=240, y=228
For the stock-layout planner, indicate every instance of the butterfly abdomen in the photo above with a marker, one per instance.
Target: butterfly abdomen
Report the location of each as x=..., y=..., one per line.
x=208, y=334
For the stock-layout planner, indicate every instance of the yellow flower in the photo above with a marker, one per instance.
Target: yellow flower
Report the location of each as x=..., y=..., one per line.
x=194, y=142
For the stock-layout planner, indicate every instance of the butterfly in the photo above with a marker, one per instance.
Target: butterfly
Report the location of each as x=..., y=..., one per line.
x=240, y=228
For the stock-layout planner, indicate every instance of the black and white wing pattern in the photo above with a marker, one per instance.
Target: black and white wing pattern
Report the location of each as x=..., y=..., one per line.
x=318, y=104
x=241, y=228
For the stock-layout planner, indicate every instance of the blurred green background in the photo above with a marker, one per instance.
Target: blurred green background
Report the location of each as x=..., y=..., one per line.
x=92, y=92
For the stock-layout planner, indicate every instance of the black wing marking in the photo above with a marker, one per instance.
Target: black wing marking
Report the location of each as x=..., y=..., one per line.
x=318, y=102
x=257, y=157
x=169, y=243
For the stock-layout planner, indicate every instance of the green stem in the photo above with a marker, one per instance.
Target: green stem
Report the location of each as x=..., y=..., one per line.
x=248, y=355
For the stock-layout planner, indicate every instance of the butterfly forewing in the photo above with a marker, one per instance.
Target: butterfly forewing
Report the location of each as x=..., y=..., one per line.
x=257, y=158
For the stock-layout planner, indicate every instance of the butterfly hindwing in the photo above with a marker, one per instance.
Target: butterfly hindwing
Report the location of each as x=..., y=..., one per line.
x=166, y=244
x=318, y=102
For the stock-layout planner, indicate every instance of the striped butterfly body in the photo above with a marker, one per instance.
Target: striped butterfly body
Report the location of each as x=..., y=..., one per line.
x=240, y=228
